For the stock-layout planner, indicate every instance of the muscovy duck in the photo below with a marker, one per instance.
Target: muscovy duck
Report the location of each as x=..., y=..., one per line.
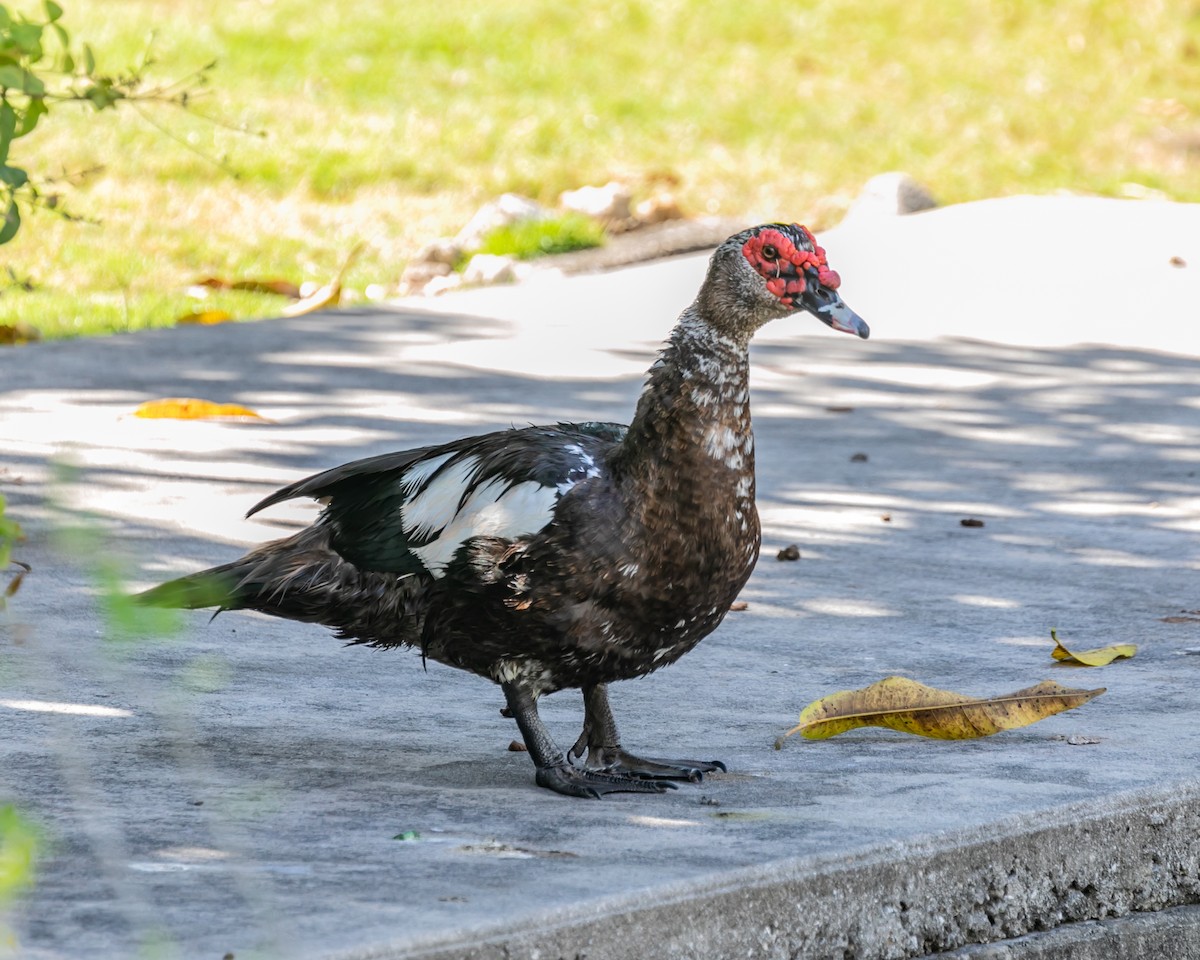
x=559, y=556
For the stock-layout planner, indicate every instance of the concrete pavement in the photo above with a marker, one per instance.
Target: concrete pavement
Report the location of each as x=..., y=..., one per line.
x=241, y=788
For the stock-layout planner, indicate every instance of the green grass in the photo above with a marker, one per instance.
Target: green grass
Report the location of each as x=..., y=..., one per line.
x=390, y=123
x=528, y=239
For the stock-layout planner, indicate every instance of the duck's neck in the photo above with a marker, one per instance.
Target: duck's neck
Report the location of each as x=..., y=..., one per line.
x=693, y=418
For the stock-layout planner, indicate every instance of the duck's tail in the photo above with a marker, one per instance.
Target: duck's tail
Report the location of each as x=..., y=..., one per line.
x=303, y=578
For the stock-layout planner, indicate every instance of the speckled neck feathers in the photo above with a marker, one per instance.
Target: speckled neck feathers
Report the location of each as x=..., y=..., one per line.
x=694, y=411
x=686, y=469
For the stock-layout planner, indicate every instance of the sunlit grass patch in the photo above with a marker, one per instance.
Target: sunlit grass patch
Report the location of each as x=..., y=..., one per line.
x=391, y=125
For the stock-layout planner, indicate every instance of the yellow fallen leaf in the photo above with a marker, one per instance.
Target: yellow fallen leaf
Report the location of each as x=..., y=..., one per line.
x=189, y=408
x=329, y=295
x=1099, y=657
x=13, y=334
x=911, y=707
x=204, y=318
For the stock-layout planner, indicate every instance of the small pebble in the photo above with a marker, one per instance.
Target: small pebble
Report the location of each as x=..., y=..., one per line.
x=885, y=517
x=790, y=552
x=859, y=458
x=738, y=606
x=516, y=746
x=971, y=522
x=1177, y=262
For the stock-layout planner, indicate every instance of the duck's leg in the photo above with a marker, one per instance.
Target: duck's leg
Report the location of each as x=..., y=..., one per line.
x=604, y=752
x=554, y=772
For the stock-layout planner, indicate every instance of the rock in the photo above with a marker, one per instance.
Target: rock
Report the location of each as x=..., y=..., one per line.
x=487, y=268
x=609, y=203
x=440, y=285
x=418, y=274
x=442, y=250
x=891, y=195
x=658, y=209
x=505, y=210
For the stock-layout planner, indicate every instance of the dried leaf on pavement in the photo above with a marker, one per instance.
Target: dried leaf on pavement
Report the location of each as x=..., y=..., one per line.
x=191, y=408
x=911, y=707
x=1098, y=657
x=204, y=318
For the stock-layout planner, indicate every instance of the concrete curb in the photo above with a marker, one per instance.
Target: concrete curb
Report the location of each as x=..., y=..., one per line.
x=1173, y=933
x=1138, y=851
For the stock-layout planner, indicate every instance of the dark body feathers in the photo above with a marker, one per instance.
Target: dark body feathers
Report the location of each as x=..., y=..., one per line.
x=555, y=556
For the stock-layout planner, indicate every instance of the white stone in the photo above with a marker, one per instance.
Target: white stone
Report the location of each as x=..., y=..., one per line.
x=607, y=203
x=658, y=209
x=487, y=268
x=891, y=195
x=440, y=285
x=505, y=210
x=445, y=250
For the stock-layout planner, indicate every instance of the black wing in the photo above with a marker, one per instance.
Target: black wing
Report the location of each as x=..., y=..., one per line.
x=409, y=512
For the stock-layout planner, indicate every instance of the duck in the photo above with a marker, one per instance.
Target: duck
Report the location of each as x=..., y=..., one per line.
x=562, y=556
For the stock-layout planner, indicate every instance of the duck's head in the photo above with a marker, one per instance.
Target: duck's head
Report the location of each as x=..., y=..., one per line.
x=768, y=272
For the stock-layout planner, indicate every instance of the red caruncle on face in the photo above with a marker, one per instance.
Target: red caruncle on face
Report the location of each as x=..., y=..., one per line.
x=782, y=263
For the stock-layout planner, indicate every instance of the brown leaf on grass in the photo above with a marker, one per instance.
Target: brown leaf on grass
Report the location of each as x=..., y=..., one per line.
x=327, y=296
x=13, y=334
x=204, y=318
x=282, y=288
x=911, y=707
x=1098, y=657
x=190, y=408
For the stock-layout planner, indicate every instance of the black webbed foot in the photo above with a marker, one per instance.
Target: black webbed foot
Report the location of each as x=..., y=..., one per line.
x=604, y=753
x=615, y=760
x=554, y=771
x=593, y=784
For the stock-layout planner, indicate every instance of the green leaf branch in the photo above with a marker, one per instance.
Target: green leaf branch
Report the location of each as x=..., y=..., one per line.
x=42, y=68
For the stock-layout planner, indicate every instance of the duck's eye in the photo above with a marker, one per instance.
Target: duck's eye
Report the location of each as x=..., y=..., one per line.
x=769, y=252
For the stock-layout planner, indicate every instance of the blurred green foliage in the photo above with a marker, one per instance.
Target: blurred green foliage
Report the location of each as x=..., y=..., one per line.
x=19, y=842
x=32, y=81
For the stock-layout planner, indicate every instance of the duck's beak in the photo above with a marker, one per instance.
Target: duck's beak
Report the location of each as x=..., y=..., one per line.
x=828, y=307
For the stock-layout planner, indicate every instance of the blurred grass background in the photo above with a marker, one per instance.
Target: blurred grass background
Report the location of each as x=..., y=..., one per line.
x=389, y=123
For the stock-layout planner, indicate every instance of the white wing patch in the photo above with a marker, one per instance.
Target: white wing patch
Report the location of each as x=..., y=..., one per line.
x=418, y=474
x=490, y=511
x=457, y=504
x=436, y=505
